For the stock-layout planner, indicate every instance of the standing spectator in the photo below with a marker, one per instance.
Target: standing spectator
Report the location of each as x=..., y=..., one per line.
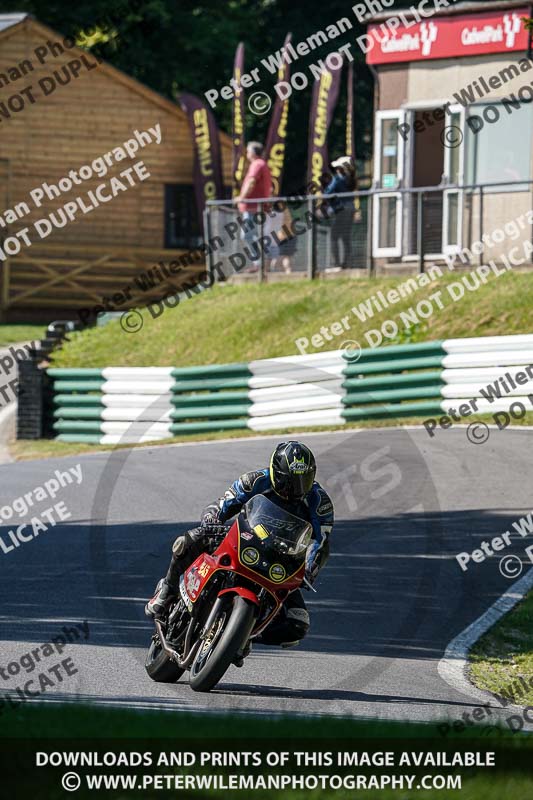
x=341, y=229
x=257, y=183
x=286, y=240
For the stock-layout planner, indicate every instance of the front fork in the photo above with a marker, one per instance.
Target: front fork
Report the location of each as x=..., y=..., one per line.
x=190, y=648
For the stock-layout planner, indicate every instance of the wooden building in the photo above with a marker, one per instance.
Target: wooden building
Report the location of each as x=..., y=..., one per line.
x=60, y=109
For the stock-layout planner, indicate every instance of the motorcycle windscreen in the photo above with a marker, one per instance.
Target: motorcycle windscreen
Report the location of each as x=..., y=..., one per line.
x=288, y=533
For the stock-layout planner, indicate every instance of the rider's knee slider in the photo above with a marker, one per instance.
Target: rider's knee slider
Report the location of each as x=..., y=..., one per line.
x=181, y=544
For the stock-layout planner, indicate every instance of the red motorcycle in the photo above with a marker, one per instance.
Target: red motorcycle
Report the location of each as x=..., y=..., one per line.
x=228, y=598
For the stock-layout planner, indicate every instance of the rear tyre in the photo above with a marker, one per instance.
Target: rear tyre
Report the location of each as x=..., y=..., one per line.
x=159, y=666
x=231, y=631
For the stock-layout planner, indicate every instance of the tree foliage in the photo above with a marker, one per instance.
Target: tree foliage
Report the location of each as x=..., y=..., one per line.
x=189, y=45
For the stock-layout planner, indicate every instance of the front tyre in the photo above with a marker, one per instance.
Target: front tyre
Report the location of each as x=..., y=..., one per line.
x=159, y=666
x=229, y=633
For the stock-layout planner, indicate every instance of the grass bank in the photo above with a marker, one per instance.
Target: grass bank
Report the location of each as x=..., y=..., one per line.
x=48, y=448
x=241, y=323
x=502, y=660
x=11, y=334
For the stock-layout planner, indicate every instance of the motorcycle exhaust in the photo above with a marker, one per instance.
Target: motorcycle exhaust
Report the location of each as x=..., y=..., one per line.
x=166, y=647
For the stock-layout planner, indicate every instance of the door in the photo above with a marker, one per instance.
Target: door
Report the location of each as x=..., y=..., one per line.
x=453, y=199
x=425, y=168
x=388, y=175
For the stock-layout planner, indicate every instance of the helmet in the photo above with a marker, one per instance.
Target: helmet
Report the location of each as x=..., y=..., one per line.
x=292, y=470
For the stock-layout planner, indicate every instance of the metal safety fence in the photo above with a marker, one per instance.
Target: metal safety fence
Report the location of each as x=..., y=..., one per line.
x=366, y=230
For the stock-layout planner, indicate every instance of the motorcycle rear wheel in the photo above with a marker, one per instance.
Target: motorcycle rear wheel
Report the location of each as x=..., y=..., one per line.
x=215, y=656
x=159, y=666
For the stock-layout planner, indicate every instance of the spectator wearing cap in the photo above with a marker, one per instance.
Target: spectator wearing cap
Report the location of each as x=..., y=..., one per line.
x=342, y=207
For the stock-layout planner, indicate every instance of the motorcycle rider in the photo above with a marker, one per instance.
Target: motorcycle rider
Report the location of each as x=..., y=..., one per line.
x=290, y=483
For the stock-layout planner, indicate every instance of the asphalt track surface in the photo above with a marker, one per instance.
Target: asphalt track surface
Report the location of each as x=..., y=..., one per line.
x=389, y=600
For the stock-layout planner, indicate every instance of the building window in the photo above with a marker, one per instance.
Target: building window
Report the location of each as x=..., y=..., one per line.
x=183, y=229
x=498, y=144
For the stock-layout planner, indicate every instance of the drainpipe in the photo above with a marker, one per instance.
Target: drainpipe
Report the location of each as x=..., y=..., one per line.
x=375, y=77
x=370, y=212
x=530, y=56
x=530, y=39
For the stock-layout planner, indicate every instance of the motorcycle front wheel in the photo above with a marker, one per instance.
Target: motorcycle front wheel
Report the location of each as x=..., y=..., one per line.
x=228, y=634
x=159, y=666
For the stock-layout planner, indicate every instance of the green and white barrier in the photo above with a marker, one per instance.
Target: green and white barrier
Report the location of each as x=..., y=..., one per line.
x=141, y=404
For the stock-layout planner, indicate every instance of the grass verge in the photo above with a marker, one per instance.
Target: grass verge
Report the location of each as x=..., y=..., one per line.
x=12, y=334
x=241, y=323
x=31, y=720
x=502, y=661
x=22, y=450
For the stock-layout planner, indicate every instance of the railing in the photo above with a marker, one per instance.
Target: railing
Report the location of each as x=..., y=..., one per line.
x=355, y=231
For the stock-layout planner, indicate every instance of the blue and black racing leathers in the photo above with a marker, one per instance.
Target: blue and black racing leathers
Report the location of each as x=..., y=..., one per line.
x=292, y=623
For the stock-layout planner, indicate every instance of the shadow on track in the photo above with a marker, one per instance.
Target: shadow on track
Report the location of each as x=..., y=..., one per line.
x=392, y=587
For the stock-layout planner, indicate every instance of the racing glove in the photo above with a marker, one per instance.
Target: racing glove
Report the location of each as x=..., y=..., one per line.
x=312, y=562
x=211, y=515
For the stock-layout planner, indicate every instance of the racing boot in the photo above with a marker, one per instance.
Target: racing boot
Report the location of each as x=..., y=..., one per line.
x=167, y=589
x=185, y=549
x=163, y=597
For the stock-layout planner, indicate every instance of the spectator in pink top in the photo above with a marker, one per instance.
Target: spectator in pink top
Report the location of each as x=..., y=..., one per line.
x=257, y=183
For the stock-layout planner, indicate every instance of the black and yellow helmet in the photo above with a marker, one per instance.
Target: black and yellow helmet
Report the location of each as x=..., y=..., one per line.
x=292, y=470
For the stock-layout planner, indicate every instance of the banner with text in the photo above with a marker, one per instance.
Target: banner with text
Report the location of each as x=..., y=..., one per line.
x=447, y=37
x=208, y=184
x=324, y=100
x=239, y=147
x=277, y=131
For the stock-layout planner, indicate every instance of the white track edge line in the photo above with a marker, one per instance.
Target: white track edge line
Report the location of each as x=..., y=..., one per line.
x=453, y=666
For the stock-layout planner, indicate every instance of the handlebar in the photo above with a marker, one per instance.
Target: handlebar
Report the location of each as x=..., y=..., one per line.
x=216, y=531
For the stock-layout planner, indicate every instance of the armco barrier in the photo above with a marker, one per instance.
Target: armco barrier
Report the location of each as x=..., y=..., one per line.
x=141, y=404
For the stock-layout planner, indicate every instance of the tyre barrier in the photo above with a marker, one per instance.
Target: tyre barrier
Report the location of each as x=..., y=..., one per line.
x=126, y=405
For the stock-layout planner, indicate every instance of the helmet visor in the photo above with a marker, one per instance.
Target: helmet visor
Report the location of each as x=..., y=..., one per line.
x=298, y=485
